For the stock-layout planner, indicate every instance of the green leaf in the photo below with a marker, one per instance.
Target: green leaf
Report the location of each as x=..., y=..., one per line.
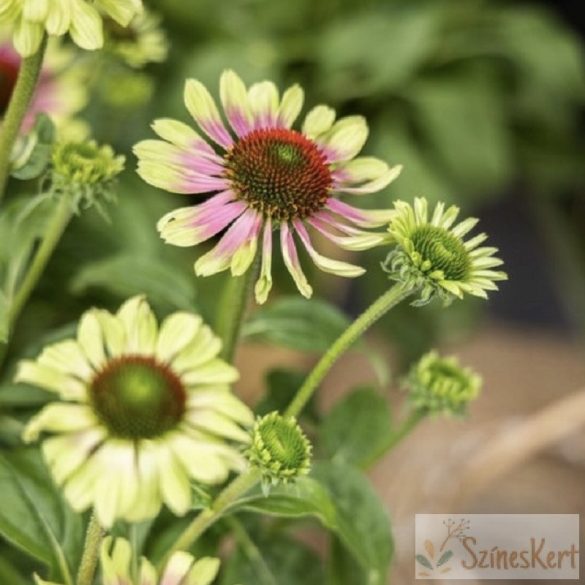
x=376, y=50
x=282, y=385
x=10, y=575
x=297, y=323
x=33, y=515
x=448, y=107
x=22, y=396
x=357, y=428
x=289, y=561
x=34, y=150
x=4, y=321
x=341, y=498
x=128, y=274
x=363, y=524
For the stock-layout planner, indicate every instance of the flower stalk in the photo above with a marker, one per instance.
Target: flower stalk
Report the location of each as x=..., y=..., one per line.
x=22, y=95
x=238, y=487
x=91, y=552
x=232, y=309
x=371, y=315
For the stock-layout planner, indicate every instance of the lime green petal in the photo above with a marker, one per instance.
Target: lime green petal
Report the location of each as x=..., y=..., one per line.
x=59, y=417
x=176, y=332
x=204, y=347
x=318, y=121
x=86, y=26
x=203, y=572
x=139, y=325
x=215, y=371
x=36, y=374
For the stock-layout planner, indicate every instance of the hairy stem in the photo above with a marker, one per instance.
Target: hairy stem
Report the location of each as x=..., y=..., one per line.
x=20, y=100
x=373, y=313
x=91, y=552
x=239, y=486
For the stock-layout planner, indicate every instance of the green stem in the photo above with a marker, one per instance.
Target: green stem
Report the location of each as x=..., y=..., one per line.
x=373, y=313
x=53, y=233
x=210, y=516
x=232, y=308
x=91, y=552
x=402, y=431
x=22, y=95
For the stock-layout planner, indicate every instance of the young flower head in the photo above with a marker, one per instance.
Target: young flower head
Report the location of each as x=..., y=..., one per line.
x=438, y=384
x=181, y=569
x=266, y=178
x=82, y=19
x=431, y=255
x=143, y=411
x=143, y=41
x=279, y=449
x=85, y=171
x=60, y=92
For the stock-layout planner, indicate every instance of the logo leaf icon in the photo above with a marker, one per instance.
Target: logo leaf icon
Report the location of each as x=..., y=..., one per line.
x=424, y=562
x=444, y=558
x=429, y=547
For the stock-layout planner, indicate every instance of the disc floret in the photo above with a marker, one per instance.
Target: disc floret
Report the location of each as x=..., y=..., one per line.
x=441, y=385
x=431, y=256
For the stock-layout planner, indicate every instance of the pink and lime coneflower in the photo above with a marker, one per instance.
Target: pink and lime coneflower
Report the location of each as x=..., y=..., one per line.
x=267, y=180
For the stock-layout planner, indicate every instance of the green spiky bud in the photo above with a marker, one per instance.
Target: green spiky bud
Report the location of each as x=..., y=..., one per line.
x=86, y=172
x=440, y=385
x=279, y=449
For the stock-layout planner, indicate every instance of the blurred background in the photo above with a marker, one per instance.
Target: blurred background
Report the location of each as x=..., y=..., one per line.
x=482, y=102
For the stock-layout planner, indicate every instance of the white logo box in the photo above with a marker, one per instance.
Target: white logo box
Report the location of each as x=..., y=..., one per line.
x=497, y=546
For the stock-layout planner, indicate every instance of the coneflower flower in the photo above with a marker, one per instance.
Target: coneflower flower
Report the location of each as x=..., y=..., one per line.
x=181, y=569
x=143, y=411
x=431, y=256
x=266, y=178
x=82, y=19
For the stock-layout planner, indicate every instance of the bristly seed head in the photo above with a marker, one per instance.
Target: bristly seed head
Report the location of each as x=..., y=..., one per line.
x=280, y=173
x=136, y=397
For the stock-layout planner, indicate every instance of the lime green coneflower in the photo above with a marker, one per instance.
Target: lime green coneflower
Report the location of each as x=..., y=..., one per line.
x=143, y=411
x=431, y=255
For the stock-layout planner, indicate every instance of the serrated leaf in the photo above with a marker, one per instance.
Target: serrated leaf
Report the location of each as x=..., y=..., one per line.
x=357, y=428
x=297, y=323
x=33, y=514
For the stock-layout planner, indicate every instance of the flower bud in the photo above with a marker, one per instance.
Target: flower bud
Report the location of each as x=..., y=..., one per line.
x=440, y=385
x=279, y=449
